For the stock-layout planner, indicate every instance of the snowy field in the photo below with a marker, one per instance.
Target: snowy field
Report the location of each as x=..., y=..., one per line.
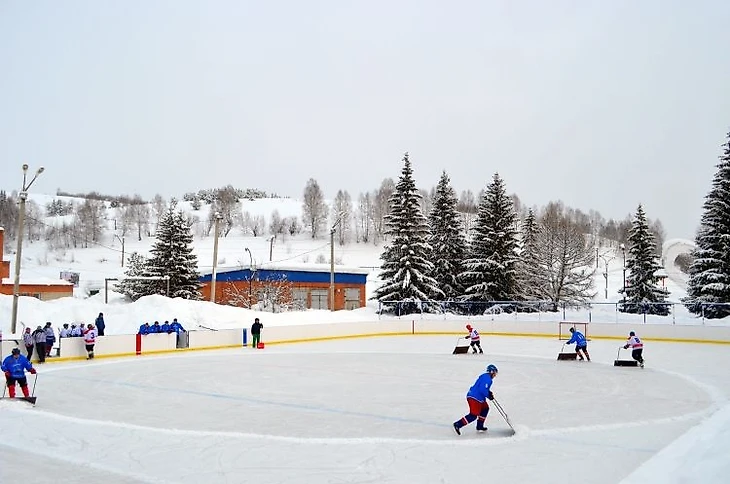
x=374, y=410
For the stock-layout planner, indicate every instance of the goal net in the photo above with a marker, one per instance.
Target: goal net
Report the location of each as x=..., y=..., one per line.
x=564, y=329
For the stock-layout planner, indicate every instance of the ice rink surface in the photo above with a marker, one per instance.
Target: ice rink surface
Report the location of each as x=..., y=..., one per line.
x=366, y=410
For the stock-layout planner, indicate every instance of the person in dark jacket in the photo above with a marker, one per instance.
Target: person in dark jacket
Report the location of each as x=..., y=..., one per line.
x=14, y=367
x=99, y=323
x=39, y=336
x=256, y=332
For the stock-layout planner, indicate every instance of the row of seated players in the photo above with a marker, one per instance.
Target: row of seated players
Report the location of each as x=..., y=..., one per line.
x=165, y=327
x=72, y=332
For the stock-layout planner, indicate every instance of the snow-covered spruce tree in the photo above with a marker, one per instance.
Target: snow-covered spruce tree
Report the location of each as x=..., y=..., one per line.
x=709, y=273
x=528, y=270
x=406, y=269
x=172, y=255
x=134, y=288
x=490, y=269
x=643, y=293
x=447, y=240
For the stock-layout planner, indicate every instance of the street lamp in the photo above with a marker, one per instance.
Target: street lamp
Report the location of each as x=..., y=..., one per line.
x=606, y=259
x=623, y=249
x=332, y=261
x=218, y=217
x=21, y=216
x=250, y=276
x=121, y=239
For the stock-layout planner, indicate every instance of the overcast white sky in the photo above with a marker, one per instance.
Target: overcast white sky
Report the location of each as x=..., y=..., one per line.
x=172, y=96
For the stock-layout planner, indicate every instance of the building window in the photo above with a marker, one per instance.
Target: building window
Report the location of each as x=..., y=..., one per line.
x=352, y=298
x=319, y=298
x=299, y=298
x=36, y=295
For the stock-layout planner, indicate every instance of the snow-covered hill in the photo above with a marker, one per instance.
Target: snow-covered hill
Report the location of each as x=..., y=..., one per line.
x=103, y=260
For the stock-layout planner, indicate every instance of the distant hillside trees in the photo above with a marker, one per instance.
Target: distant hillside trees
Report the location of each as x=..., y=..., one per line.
x=490, y=269
x=709, y=273
x=447, y=240
x=561, y=260
x=56, y=208
x=406, y=268
x=210, y=195
x=382, y=208
x=643, y=294
x=342, y=211
x=90, y=219
x=467, y=208
x=8, y=214
x=314, y=208
x=364, y=218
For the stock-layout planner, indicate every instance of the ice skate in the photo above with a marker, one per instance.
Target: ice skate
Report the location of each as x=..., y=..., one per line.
x=457, y=430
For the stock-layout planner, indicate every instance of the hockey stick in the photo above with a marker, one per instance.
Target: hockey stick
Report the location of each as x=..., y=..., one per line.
x=503, y=414
x=32, y=394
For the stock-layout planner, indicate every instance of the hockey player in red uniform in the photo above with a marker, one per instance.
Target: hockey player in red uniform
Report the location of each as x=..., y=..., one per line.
x=475, y=339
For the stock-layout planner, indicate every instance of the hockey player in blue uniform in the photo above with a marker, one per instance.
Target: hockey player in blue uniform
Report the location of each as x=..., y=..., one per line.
x=14, y=367
x=476, y=398
x=581, y=344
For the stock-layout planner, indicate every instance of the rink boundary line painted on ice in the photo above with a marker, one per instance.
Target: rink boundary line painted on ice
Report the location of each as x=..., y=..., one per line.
x=522, y=433
x=375, y=335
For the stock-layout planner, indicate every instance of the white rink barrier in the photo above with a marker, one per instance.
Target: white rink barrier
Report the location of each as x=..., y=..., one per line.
x=123, y=345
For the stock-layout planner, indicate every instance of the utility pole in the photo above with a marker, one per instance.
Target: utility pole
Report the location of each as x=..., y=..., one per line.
x=250, y=276
x=18, y=258
x=332, y=262
x=217, y=216
x=271, y=247
x=121, y=239
x=623, y=249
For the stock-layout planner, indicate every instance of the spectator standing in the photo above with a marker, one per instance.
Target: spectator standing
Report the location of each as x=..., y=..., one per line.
x=89, y=341
x=256, y=328
x=50, y=337
x=100, y=324
x=14, y=367
x=176, y=327
x=28, y=340
x=39, y=336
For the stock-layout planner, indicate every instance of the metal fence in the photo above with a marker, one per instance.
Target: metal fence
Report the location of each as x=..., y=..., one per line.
x=598, y=312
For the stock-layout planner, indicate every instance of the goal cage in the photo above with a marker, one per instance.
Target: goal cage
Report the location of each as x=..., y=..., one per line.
x=564, y=329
